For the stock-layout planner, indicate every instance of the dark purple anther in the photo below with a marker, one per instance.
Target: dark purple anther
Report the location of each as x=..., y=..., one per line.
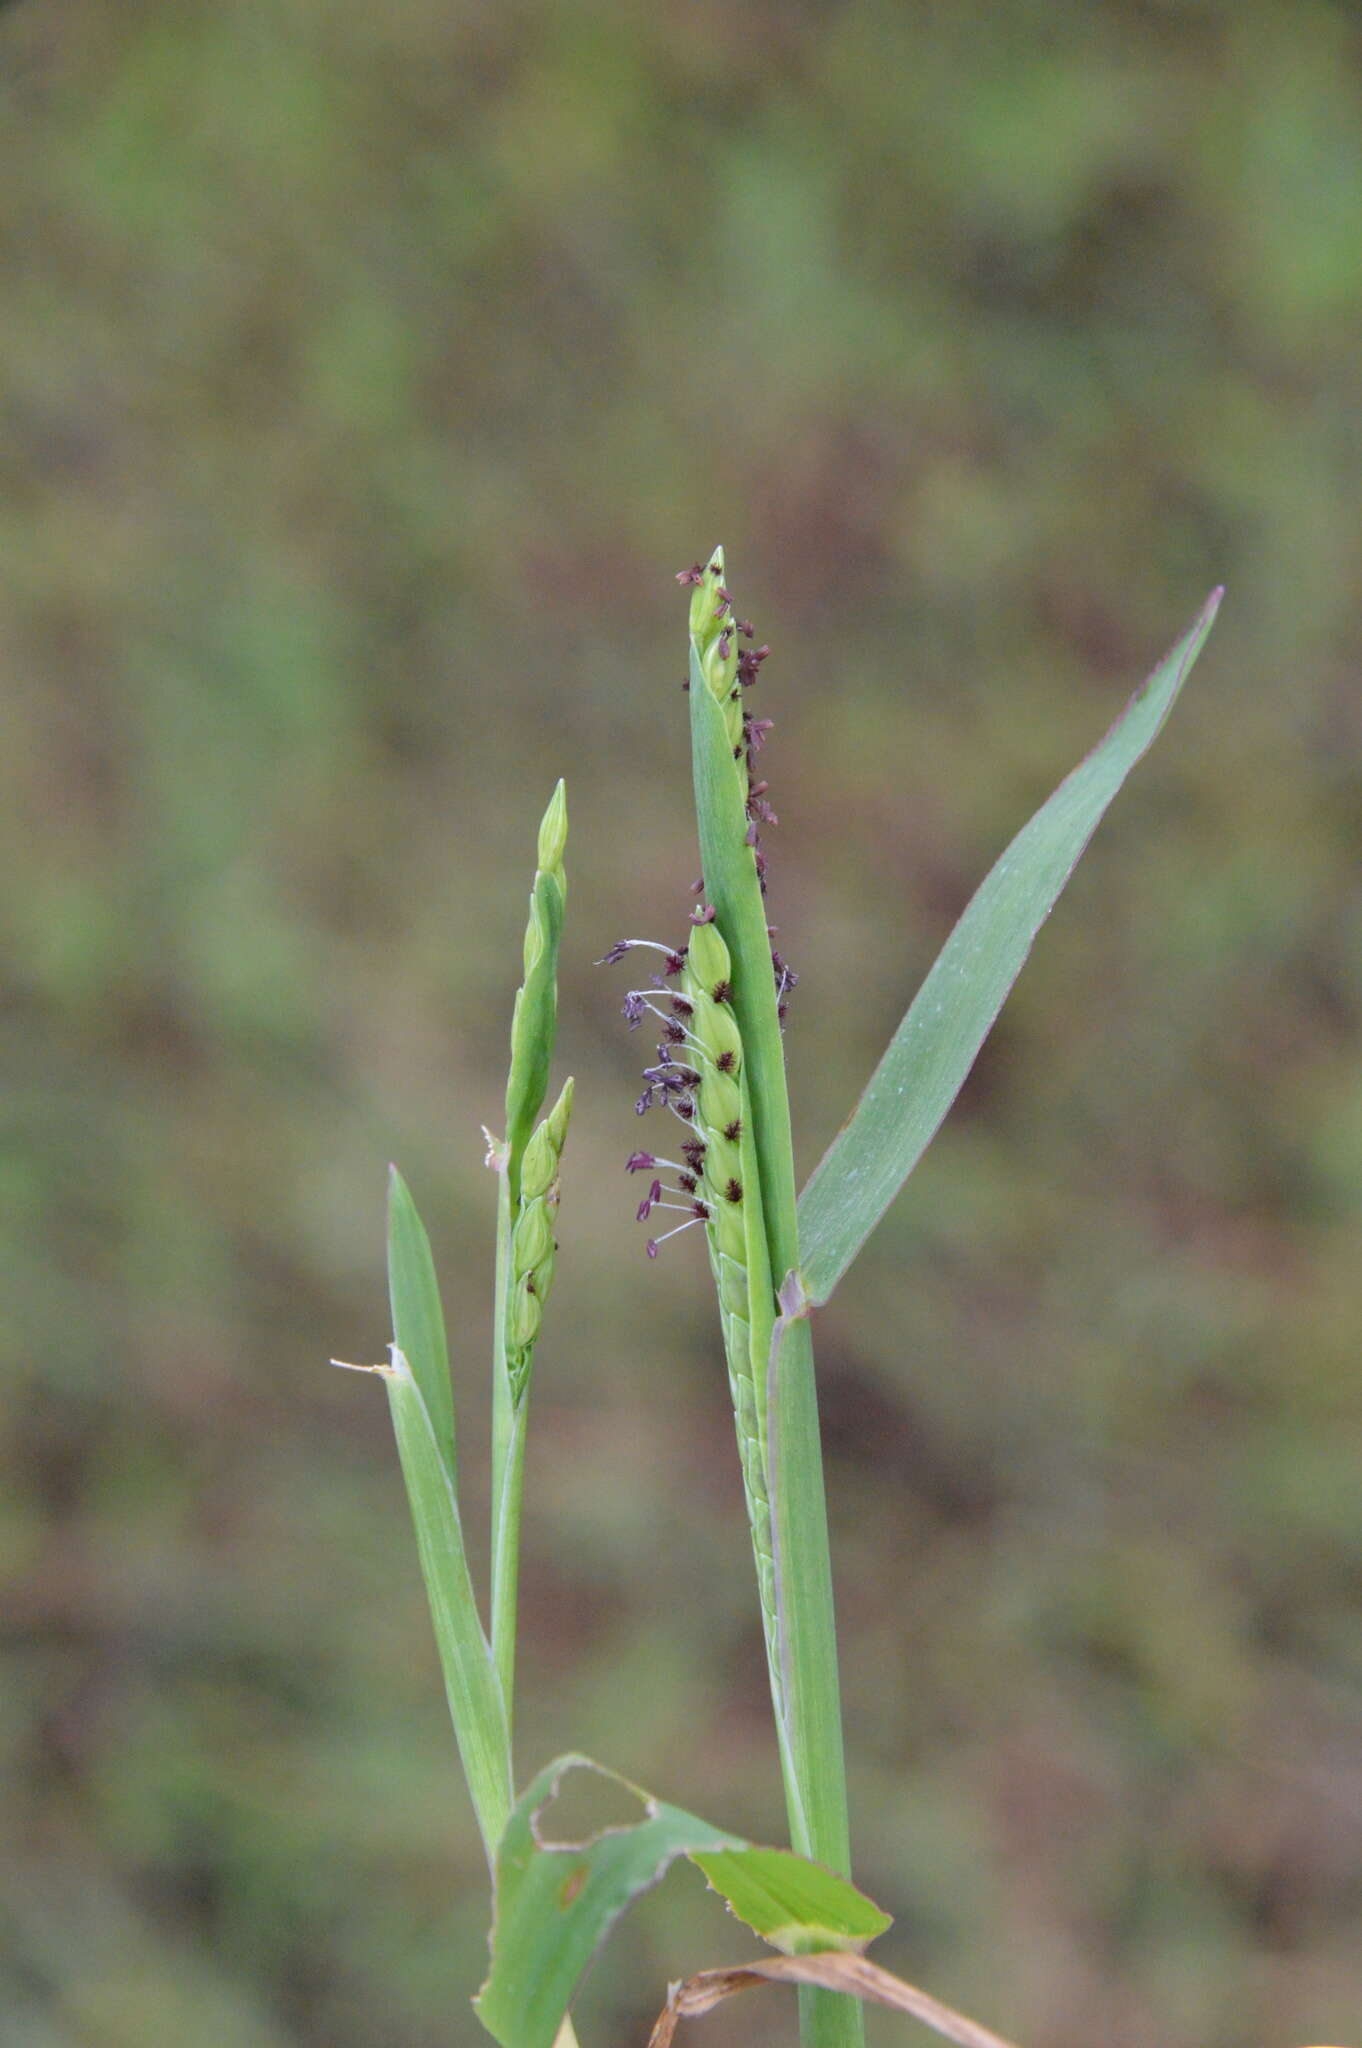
x=639, y=1162
x=635, y=1008
x=749, y=664
x=706, y=914
x=695, y=574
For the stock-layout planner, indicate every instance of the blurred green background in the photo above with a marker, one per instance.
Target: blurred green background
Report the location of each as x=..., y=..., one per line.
x=366, y=373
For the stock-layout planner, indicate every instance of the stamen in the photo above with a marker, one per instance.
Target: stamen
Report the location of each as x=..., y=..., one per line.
x=643, y=997
x=654, y=1243
x=675, y=960
x=643, y=1162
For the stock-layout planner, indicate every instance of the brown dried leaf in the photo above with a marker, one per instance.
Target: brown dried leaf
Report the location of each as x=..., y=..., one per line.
x=831, y=1971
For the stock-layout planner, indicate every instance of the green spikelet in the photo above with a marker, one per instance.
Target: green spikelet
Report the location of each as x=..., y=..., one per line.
x=731, y=1195
x=532, y=1245
x=535, y=1017
x=715, y=633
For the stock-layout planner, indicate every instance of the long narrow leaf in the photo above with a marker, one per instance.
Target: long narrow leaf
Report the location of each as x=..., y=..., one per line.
x=934, y=1047
x=418, y=1318
x=556, y=1900
x=471, y=1684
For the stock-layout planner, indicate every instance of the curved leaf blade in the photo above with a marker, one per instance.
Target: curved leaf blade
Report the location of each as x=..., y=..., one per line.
x=476, y=1703
x=798, y=1906
x=556, y=1901
x=935, y=1046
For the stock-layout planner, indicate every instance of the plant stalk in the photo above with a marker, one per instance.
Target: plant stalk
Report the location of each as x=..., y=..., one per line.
x=805, y=1688
x=508, y=1465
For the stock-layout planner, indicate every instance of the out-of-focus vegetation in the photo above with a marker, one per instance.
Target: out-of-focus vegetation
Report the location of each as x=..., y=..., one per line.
x=366, y=371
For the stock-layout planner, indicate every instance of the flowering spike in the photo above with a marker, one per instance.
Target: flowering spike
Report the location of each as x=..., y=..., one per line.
x=553, y=836
x=705, y=584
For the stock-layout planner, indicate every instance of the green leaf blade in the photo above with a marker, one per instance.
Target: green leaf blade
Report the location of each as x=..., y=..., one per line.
x=476, y=1705
x=556, y=1903
x=800, y=1907
x=418, y=1318
x=925, y=1065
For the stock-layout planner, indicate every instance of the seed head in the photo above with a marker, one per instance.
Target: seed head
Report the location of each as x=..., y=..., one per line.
x=553, y=836
x=705, y=585
x=532, y=1242
x=708, y=960
x=560, y=1115
x=539, y=1165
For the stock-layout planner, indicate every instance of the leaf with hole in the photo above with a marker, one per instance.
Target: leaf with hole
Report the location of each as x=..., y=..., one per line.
x=560, y=1890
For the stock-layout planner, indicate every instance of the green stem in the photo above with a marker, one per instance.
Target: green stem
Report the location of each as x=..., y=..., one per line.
x=508, y=1466
x=506, y=1559
x=806, y=1687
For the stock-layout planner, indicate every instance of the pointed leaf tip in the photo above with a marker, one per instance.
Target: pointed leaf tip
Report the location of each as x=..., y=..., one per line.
x=418, y=1318
x=948, y=1020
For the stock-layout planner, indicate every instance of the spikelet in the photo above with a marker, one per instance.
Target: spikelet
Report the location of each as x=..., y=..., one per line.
x=532, y=1243
x=534, y=1019
x=728, y=1179
x=700, y=1077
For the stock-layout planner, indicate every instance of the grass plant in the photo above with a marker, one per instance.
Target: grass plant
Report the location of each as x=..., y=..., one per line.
x=716, y=1002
